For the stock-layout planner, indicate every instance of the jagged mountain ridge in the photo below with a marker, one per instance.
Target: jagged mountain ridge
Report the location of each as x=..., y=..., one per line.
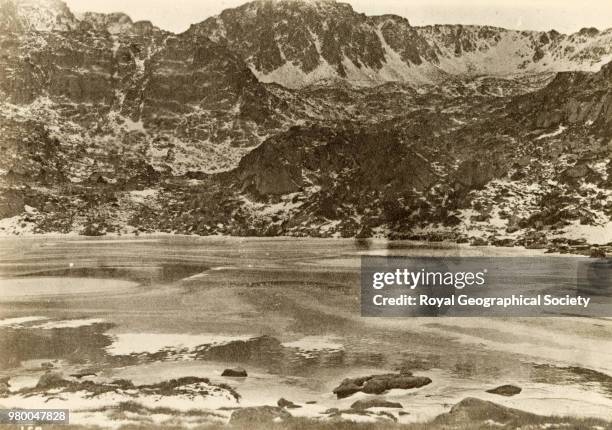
x=104, y=78
x=297, y=43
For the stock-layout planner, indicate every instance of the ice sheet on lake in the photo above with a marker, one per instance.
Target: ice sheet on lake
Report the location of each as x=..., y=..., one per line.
x=70, y=323
x=315, y=343
x=16, y=322
x=18, y=288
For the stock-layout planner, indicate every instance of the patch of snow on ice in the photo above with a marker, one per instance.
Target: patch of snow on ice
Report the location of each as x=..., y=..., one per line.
x=14, y=322
x=69, y=323
x=136, y=343
x=314, y=343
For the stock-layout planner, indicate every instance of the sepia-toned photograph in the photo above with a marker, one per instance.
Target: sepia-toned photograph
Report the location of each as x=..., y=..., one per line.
x=305, y=214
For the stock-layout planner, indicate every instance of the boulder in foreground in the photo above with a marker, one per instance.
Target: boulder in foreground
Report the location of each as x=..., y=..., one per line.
x=236, y=372
x=472, y=411
x=375, y=403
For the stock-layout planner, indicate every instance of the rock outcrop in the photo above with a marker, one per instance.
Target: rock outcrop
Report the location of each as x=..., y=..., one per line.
x=378, y=384
x=237, y=372
x=506, y=390
x=375, y=403
x=470, y=411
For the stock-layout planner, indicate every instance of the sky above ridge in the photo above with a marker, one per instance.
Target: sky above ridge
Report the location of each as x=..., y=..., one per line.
x=566, y=16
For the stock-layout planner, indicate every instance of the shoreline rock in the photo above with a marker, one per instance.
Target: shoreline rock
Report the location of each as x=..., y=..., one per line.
x=236, y=372
x=506, y=390
x=375, y=403
x=378, y=384
x=287, y=404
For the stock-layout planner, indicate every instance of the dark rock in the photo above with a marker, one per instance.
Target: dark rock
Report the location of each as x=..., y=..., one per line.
x=242, y=350
x=311, y=402
x=347, y=388
x=405, y=371
x=579, y=171
x=503, y=242
x=535, y=240
x=475, y=174
x=51, y=380
x=5, y=387
x=237, y=372
x=479, y=241
x=375, y=386
x=248, y=417
x=284, y=403
x=378, y=384
x=538, y=55
x=375, y=403
x=83, y=374
x=505, y=390
x=597, y=253
x=512, y=228
x=470, y=412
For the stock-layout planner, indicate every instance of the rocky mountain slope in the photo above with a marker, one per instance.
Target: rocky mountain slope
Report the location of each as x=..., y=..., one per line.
x=106, y=85
x=110, y=125
x=297, y=43
x=572, y=98
x=36, y=15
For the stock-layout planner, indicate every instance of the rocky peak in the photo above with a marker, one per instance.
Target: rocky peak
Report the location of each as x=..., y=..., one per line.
x=36, y=15
x=114, y=23
x=287, y=40
x=588, y=31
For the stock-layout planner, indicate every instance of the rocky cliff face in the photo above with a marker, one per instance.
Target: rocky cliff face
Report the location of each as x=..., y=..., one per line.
x=297, y=43
x=178, y=102
x=36, y=15
x=572, y=98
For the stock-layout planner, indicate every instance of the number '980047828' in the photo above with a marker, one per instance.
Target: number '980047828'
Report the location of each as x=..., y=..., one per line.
x=34, y=416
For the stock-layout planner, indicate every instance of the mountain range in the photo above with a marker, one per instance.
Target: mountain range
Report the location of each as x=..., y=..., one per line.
x=296, y=43
x=304, y=118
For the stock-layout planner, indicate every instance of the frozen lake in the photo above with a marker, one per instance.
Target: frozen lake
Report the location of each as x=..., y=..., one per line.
x=287, y=310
